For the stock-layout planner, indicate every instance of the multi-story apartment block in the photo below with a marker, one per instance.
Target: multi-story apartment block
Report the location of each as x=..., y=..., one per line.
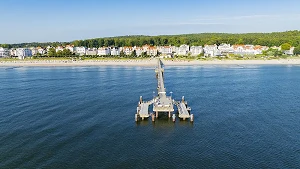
x=104, y=51
x=91, y=51
x=71, y=48
x=196, y=50
x=22, y=53
x=115, y=51
x=80, y=50
x=4, y=52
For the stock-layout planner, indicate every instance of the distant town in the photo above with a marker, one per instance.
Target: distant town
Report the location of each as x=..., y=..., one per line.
x=220, y=50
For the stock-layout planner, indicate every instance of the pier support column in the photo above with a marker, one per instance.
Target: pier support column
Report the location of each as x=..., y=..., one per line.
x=192, y=118
x=136, y=117
x=157, y=114
x=169, y=114
x=153, y=117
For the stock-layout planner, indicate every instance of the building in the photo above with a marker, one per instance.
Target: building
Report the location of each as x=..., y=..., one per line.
x=71, y=48
x=13, y=52
x=104, y=51
x=34, y=51
x=139, y=51
x=80, y=50
x=91, y=51
x=59, y=48
x=196, y=50
x=152, y=51
x=4, y=52
x=211, y=50
x=22, y=53
x=183, y=50
x=248, y=49
x=114, y=51
x=127, y=50
x=165, y=50
x=289, y=52
x=225, y=49
x=41, y=50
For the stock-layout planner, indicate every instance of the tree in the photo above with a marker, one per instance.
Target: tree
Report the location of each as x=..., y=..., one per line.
x=66, y=52
x=133, y=54
x=297, y=50
x=144, y=54
x=52, y=52
x=286, y=46
x=122, y=54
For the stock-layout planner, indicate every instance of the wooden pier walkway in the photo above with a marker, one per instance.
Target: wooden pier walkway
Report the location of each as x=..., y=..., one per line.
x=162, y=103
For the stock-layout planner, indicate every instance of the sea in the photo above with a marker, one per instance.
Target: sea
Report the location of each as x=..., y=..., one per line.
x=245, y=116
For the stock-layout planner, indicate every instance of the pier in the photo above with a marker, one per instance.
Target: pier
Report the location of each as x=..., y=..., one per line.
x=162, y=103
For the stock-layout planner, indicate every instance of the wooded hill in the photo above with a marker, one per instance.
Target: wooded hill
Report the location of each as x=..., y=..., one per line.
x=265, y=39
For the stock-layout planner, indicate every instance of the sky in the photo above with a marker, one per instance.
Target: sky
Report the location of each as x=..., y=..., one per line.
x=68, y=20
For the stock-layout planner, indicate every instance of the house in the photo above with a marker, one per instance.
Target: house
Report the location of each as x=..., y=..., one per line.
x=225, y=48
x=4, y=52
x=41, y=50
x=211, y=50
x=165, y=50
x=114, y=51
x=33, y=51
x=183, y=50
x=13, y=52
x=22, y=53
x=104, y=51
x=127, y=50
x=80, y=50
x=151, y=50
x=139, y=51
x=196, y=50
x=59, y=48
x=71, y=48
x=91, y=51
x=289, y=52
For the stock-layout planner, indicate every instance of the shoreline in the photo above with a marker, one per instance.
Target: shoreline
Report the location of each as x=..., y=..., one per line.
x=146, y=62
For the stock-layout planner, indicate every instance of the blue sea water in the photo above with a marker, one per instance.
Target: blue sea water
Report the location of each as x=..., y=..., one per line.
x=83, y=117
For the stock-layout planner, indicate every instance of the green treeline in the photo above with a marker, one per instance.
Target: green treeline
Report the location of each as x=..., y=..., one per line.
x=265, y=39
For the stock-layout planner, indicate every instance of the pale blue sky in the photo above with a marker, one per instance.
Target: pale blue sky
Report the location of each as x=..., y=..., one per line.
x=67, y=20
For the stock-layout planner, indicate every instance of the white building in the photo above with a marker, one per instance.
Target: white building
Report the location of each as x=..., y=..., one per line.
x=104, y=51
x=41, y=50
x=139, y=51
x=289, y=52
x=13, y=52
x=34, y=51
x=127, y=50
x=71, y=48
x=115, y=51
x=165, y=50
x=196, y=50
x=225, y=48
x=22, y=53
x=80, y=50
x=183, y=50
x=91, y=51
x=151, y=50
x=248, y=49
x=4, y=52
x=211, y=50
x=59, y=48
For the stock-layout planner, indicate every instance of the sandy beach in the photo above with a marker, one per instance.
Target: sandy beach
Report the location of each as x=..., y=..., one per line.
x=147, y=62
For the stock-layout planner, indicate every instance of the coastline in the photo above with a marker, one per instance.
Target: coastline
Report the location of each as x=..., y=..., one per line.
x=145, y=62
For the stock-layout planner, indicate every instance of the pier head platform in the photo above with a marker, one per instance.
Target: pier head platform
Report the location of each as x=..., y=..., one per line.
x=162, y=103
